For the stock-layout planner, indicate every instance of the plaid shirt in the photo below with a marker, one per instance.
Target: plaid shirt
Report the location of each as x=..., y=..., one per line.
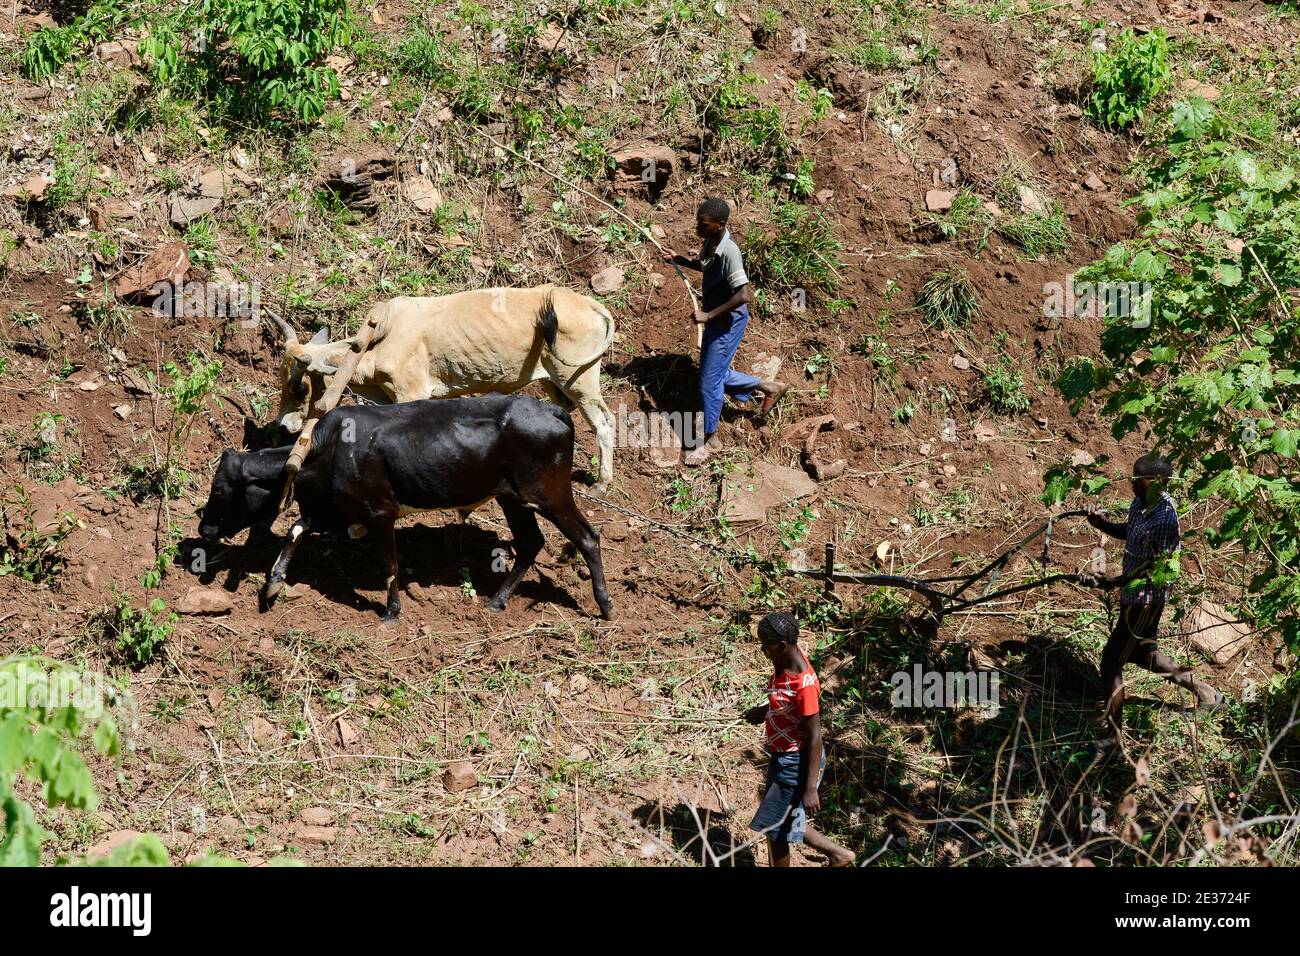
x=1150, y=534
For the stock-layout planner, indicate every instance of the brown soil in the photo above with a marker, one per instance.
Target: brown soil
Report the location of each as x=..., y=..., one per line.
x=530, y=693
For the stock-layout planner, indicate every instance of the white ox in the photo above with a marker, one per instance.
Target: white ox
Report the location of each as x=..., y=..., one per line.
x=489, y=340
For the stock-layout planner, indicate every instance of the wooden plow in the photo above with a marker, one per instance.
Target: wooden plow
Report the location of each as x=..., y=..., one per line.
x=955, y=597
x=317, y=409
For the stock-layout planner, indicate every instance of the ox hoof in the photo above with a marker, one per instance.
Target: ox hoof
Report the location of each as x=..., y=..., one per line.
x=272, y=591
x=496, y=607
x=607, y=611
x=389, y=620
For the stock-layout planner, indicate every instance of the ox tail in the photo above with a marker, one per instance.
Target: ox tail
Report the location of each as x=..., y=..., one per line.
x=548, y=323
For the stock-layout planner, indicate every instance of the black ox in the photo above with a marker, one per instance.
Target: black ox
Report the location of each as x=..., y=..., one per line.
x=370, y=465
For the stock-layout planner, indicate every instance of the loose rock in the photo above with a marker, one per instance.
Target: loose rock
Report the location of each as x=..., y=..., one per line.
x=199, y=600
x=459, y=776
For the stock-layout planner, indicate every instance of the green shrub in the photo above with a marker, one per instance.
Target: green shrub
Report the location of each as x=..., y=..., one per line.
x=1207, y=373
x=1004, y=389
x=38, y=741
x=256, y=58
x=138, y=632
x=1128, y=77
x=48, y=49
x=798, y=253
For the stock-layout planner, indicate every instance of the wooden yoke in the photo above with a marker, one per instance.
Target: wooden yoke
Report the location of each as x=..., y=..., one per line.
x=338, y=382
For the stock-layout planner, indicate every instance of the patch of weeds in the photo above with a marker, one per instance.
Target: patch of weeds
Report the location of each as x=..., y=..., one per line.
x=947, y=298
x=1038, y=234
x=43, y=453
x=1128, y=76
x=794, y=529
x=967, y=217
x=31, y=552
x=876, y=351
x=137, y=632
x=798, y=253
x=1004, y=389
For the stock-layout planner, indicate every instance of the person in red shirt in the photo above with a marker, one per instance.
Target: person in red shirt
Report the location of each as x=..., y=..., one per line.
x=792, y=719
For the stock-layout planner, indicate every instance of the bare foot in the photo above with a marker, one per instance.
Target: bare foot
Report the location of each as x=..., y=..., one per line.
x=697, y=456
x=1209, y=700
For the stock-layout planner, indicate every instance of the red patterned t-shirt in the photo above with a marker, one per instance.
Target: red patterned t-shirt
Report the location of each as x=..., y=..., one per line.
x=790, y=698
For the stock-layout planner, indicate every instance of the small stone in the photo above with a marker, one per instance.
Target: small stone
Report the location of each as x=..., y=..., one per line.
x=578, y=683
x=422, y=193
x=321, y=835
x=1081, y=458
x=1030, y=202
x=459, y=776
x=106, y=846
x=263, y=731
x=1216, y=633
x=938, y=200
x=347, y=736
x=29, y=190
x=1194, y=88
x=199, y=600
x=1094, y=183
x=317, y=817
x=166, y=265
x=607, y=281
x=948, y=172
x=90, y=577
x=960, y=362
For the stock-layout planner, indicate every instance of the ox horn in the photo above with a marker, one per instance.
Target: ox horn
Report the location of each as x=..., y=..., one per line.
x=286, y=330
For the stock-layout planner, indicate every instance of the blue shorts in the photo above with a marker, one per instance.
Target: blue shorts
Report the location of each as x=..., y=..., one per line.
x=781, y=816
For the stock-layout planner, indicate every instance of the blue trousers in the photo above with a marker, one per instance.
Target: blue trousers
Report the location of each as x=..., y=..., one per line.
x=721, y=339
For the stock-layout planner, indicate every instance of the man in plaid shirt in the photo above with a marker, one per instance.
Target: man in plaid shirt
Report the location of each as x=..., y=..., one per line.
x=1150, y=534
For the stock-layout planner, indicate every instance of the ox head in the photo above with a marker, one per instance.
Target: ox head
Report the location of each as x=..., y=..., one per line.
x=302, y=375
x=246, y=490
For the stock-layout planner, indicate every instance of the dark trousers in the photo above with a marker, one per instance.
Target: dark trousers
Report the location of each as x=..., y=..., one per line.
x=1133, y=641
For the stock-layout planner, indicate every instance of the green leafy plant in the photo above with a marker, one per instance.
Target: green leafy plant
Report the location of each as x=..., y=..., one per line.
x=1207, y=365
x=39, y=741
x=1128, y=77
x=1004, y=389
x=138, y=632
x=186, y=394
x=256, y=58
x=49, y=48
x=799, y=252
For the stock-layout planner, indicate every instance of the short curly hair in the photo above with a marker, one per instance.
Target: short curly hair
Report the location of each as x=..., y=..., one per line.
x=715, y=209
x=1153, y=465
x=779, y=627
